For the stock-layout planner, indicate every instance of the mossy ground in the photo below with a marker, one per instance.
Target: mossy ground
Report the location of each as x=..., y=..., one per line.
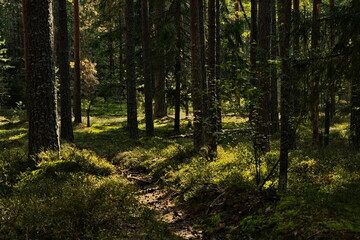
x=322, y=201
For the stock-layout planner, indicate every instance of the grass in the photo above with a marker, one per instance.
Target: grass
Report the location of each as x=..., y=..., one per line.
x=324, y=183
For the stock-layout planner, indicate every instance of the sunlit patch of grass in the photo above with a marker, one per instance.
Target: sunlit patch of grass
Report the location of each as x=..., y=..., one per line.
x=12, y=134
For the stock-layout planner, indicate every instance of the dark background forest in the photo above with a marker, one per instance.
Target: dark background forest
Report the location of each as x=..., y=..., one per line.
x=174, y=119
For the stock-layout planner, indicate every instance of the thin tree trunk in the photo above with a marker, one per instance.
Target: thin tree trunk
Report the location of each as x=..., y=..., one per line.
x=77, y=81
x=315, y=82
x=205, y=102
x=355, y=102
x=212, y=117
x=196, y=75
x=146, y=69
x=274, y=112
x=284, y=11
x=178, y=67
x=40, y=76
x=160, y=107
x=132, y=122
x=264, y=73
x=218, y=64
x=295, y=100
x=331, y=91
x=66, y=130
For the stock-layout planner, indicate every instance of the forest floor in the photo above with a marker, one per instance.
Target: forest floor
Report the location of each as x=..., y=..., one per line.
x=176, y=193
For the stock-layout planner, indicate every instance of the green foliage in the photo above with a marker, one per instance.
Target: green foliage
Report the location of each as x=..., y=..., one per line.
x=77, y=195
x=197, y=175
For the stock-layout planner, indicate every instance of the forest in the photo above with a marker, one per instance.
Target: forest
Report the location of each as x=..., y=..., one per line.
x=179, y=120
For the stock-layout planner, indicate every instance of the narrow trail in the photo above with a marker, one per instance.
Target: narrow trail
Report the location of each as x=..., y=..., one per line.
x=156, y=199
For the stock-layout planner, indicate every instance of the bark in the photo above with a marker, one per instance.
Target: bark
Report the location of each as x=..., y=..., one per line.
x=264, y=74
x=146, y=69
x=315, y=81
x=132, y=122
x=253, y=37
x=274, y=112
x=178, y=67
x=77, y=80
x=218, y=64
x=284, y=12
x=88, y=110
x=196, y=75
x=212, y=116
x=40, y=76
x=295, y=90
x=160, y=108
x=329, y=104
x=355, y=102
x=205, y=103
x=111, y=55
x=66, y=130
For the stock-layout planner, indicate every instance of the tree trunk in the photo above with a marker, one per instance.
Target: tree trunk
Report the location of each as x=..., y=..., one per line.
x=132, y=122
x=196, y=75
x=66, y=130
x=160, y=108
x=205, y=101
x=295, y=100
x=218, y=64
x=77, y=81
x=331, y=90
x=315, y=82
x=274, y=112
x=88, y=110
x=178, y=67
x=212, y=117
x=355, y=102
x=284, y=11
x=40, y=76
x=264, y=73
x=146, y=69
x=253, y=37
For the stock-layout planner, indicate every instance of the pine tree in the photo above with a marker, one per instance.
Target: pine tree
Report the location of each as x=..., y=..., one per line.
x=77, y=74
x=132, y=122
x=40, y=76
x=146, y=69
x=66, y=130
x=284, y=12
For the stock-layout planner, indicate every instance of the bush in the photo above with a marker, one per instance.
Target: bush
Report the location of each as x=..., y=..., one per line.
x=78, y=196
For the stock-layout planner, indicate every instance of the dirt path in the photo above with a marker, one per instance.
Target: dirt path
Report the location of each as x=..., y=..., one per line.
x=155, y=198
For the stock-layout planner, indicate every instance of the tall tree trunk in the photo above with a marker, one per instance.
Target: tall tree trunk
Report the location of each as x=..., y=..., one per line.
x=146, y=69
x=121, y=55
x=205, y=103
x=196, y=75
x=253, y=37
x=355, y=101
x=253, y=55
x=26, y=54
x=111, y=55
x=264, y=73
x=160, y=107
x=40, y=76
x=77, y=81
x=218, y=64
x=331, y=90
x=132, y=122
x=295, y=100
x=212, y=117
x=315, y=82
x=178, y=66
x=66, y=130
x=274, y=112
x=284, y=11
